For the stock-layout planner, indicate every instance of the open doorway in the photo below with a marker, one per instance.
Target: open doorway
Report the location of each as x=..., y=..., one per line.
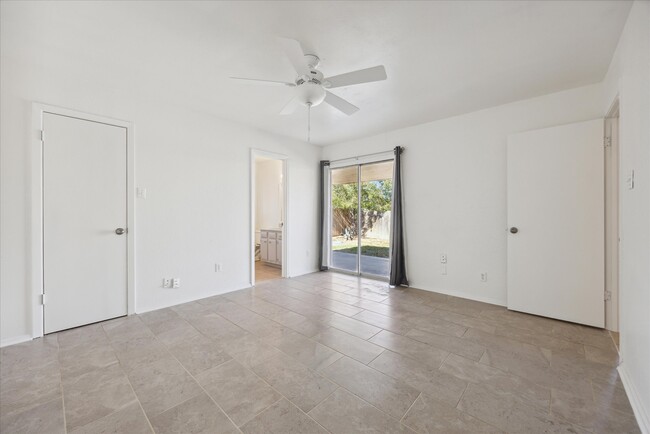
x=611, y=221
x=268, y=216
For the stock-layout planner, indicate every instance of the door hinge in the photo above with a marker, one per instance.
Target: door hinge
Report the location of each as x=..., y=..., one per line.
x=42, y=297
x=608, y=295
x=42, y=135
x=608, y=142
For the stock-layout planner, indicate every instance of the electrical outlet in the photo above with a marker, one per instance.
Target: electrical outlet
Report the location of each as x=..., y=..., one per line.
x=443, y=258
x=218, y=267
x=484, y=276
x=167, y=282
x=176, y=282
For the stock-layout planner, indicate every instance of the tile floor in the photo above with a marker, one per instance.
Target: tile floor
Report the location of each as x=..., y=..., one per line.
x=264, y=272
x=315, y=354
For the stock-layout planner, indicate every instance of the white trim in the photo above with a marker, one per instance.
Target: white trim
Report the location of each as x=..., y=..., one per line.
x=642, y=417
x=461, y=294
x=364, y=159
x=15, y=340
x=285, y=205
x=36, y=210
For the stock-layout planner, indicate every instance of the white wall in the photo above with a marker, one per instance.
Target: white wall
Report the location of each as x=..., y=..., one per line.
x=268, y=191
x=454, y=176
x=193, y=165
x=629, y=77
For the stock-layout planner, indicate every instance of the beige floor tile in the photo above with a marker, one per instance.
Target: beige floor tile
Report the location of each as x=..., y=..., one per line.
x=420, y=376
x=308, y=352
x=508, y=414
x=95, y=394
x=410, y=348
x=249, y=350
x=352, y=326
x=503, y=384
x=383, y=322
x=198, y=354
x=302, y=386
x=298, y=338
x=386, y=393
x=198, y=415
x=134, y=353
x=42, y=418
x=86, y=358
x=125, y=329
x=33, y=355
x=175, y=331
x=283, y=418
x=238, y=391
x=450, y=344
x=429, y=415
x=349, y=345
x=216, y=327
x=129, y=420
x=162, y=384
x=466, y=320
x=343, y=413
x=36, y=385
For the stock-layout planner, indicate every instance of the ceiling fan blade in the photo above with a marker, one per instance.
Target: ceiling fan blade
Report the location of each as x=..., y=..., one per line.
x=290, y=107
x=376, y=73
x=263, y=82
x=340, y=104
x=295, y=54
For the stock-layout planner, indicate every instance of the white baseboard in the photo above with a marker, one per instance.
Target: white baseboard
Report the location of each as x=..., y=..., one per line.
x=302, y=273
x=640, y=412
x=461, y=294
x=15, y=340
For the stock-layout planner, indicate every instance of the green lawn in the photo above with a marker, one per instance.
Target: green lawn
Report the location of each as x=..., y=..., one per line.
x=369, y=246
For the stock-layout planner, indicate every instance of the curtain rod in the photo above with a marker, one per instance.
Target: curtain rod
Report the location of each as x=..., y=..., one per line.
x=368, y=155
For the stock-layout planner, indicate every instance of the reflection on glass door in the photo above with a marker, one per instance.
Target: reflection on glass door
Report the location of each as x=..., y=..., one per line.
x=345, y=218
x=360, y=240
x=376, y=194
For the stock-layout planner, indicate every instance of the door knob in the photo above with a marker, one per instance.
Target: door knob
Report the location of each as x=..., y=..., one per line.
x=514, y=230
x=120, y=231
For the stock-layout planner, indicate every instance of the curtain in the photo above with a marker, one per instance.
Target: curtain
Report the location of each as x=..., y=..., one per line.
x=397, y=250
x=323, y=254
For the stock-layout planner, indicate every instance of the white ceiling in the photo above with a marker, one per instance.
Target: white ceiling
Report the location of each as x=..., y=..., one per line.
x=442, y=58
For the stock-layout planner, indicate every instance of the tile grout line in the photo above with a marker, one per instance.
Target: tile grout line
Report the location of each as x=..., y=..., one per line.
x=58, y=360
x=410, y=407
x=196, y=381
x=137, y=398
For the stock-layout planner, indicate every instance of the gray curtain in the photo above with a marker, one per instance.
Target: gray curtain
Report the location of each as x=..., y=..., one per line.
x=397, y=251
x=324, y=221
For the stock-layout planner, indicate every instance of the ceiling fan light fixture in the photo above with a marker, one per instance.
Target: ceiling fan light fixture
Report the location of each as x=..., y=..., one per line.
x=310, y=94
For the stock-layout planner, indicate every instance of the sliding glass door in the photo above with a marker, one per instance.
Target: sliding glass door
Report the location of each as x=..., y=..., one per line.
x=360, y=218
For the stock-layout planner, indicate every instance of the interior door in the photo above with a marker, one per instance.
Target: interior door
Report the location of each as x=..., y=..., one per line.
x=84, y=222
x=556, y=222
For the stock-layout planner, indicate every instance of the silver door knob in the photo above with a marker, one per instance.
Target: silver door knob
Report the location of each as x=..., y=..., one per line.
x=120, y=231
x=514, y=230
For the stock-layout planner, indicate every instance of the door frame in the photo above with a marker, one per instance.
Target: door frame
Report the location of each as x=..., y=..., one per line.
x=285, y=207
x=358, y=162
x=35, y=158
x=612, y=230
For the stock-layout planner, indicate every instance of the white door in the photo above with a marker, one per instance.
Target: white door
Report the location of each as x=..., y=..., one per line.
x=84, y=204
x=556, y=203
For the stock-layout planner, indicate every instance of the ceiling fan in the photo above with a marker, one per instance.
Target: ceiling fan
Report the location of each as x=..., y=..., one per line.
x=310, y=86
